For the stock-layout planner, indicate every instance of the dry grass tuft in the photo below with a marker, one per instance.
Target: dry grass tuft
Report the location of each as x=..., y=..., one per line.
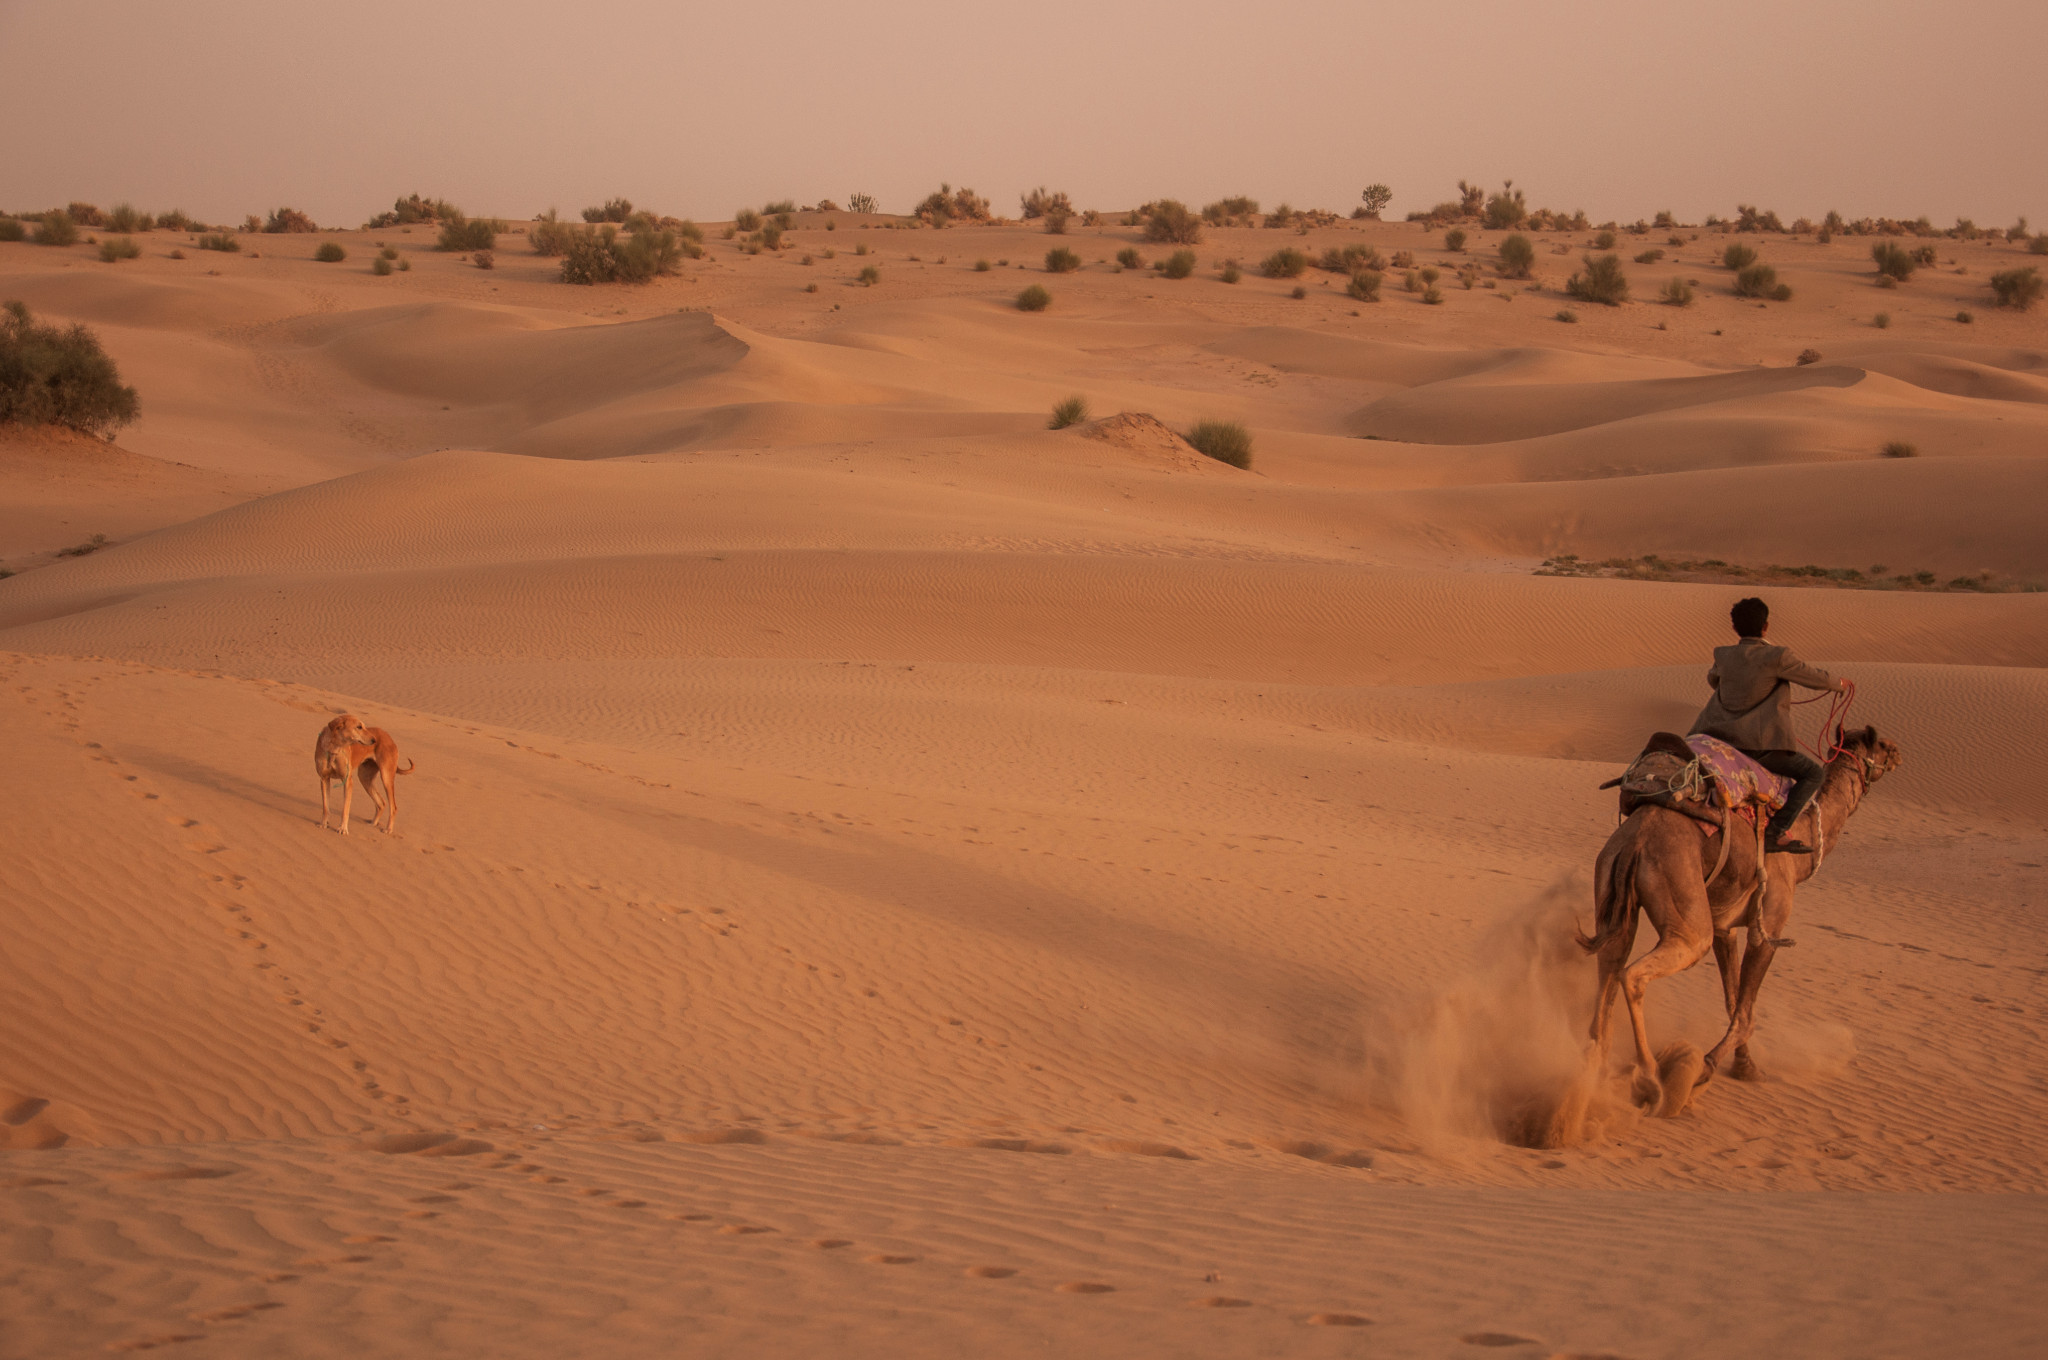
x=1072, y=411
x=1224, y=440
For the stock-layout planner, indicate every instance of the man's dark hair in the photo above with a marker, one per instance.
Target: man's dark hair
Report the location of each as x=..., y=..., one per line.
x=1750, y=617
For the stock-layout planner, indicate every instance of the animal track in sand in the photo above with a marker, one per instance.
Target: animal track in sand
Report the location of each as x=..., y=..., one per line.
x=829, y=1243
x=743, y=1229
x=423, y=1145
x=1222, y=1301
x=1319, y=1152
x=989, y=1272
x=1140, y=1148
x=1338, y=1320
x=1496, y=1339
x=1012, y=1145
x=1084, y=1287
x=882, y=1258
x=150, y=1343
x=715, y=1136
x=181, y=1173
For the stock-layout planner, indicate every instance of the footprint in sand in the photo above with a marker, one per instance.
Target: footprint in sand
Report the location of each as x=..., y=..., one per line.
x=743, y=1229
x=180, y=1173
x=150, y=1343
x=990, y=1272
x=1222, y=1301
x=715, y=1136
x=823, y=1243
x=1012, y=1145
x=1085, y=1287
x=1496, y=1339
x=1139, y=1148
x=882, y=1258
x=423, y=1145
x=1338, y=1320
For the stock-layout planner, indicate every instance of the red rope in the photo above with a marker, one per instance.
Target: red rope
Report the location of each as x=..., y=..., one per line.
x=1841, y=701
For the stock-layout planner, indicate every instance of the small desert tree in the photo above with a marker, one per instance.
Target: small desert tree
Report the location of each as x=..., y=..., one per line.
x=1893, y=261
x=289, y=220
x=549, y=235
x=1042, y=203
x=1506, y=208
x=1602, y=281
x=860, y=203
x=1171, y=223
x=1517, y=257
x=2019, y=289
x=53, y=376
x=1377, y=197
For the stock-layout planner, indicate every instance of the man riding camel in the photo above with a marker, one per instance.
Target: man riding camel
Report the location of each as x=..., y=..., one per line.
x=1752, y=711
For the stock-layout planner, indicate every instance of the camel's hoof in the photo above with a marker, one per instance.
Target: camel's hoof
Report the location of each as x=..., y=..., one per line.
x=1744, y=1068
x=1678, y=1072
x=1645, y=1090
x=1708, y=1066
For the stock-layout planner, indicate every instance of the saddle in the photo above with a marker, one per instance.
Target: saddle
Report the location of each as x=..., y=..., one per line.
x=1704, y=778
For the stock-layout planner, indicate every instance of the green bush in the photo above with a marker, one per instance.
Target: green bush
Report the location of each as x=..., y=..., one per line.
x=1454, y=240
x=1882, y=320
x=2017, y=288
x=982, y=266
x=53, y=376
x=1230, y=274
x=870, y=276
x=781, y=207
x=469, y=233
x=330, y=252
x=1755, y=281
x=1966, y=316
x=123, y=218
x=1677, y=293
x=1569, y=317
x=1060, y=260
x=1650, y=257
x=1284, y=264
x=1072, y=411
x=1365, y=285
x=1178, y=265
x=2039, y=245
x=1602, y=281
x=1893, y=261
x=746, y=219
x=611, y=210
x=1033, y=299
x=1738, y=256
x=289, y=220
x=380, y=266
x=1224, y=440
x=1171, y=222
x=11, y=229
x=175, y=220
x=119, y=248
x=1506, y=209
x=1129, y=258
x=1432, y=296
x=413, y=208
x=549, y=235
x=57, y=229
x=1517, y=257
x=84, y=214
x=220, y=240
x=1350, y=259
x=1604, y=241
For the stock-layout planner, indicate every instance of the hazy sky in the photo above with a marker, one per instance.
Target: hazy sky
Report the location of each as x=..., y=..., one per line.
x=224, y=107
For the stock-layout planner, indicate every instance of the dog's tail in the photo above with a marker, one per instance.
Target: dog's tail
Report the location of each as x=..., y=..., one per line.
x=405, y=768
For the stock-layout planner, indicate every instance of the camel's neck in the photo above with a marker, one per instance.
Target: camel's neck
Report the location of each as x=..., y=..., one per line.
x=1840, y=795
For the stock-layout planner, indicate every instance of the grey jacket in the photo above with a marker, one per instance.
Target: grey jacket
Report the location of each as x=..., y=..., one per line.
x=1752, y=705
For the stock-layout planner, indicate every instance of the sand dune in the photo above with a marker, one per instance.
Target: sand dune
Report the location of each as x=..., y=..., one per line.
x=879, y=874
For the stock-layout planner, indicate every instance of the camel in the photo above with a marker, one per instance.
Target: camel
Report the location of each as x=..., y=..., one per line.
x=1658, y=864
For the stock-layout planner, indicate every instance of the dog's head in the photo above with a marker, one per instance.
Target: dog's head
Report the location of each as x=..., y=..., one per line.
x=348, y=730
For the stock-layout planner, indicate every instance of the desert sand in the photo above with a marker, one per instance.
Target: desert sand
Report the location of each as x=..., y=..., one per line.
x=886, y=878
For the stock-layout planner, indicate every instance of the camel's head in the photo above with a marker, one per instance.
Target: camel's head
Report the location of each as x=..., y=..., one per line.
x=1879, y=755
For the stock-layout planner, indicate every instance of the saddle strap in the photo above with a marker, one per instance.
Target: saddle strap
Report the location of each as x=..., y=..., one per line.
x=1727, y=829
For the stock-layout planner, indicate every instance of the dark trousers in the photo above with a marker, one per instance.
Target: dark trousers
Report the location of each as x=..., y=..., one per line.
x=1805, y=773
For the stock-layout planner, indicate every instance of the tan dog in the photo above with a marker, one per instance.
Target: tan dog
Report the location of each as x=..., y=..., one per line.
x=334, y=757
x=380, y=759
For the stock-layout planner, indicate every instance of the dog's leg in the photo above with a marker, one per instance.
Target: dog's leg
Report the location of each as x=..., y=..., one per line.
x=391, y=799
x=323, y=802
x=348, y=790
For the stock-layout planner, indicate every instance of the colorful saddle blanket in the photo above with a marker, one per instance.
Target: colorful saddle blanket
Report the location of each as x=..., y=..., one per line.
x=1696, y=774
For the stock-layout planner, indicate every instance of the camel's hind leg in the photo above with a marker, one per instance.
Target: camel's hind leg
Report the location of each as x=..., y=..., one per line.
x=1674, y=954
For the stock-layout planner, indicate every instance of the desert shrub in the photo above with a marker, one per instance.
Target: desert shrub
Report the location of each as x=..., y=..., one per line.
x=1230, y=274
x=1650, y=257
x=1056, y=223
x=413, y=208
x=1893, y=261
x=1602, y=281
x=1882, y=320
x=1758, y=280
x=1404, y=259
x=50, y=375
x=1281, y=216
x=746, y=219
x=469, y=233
x=1365, y=285
x=1226, y=211
x=1430, y=275
x=549, y=235
x=1454, y=240
x=84, y=214
x=252, y=224
x=1299, y=293
x=1782, y=293
x=781, y=207
x=175, y=220
x=1040, y=203
x=1432, y=296
x=330, y=252
x=282, y=220
x=220, y=240
x=1170, y=222
x=1033, y=299
x=2038, y=245
x=1178, y=265
x=1899, y=448
x=1350, y=259
x=870, y=276
x=1224, y=440
x=1808, y=356
x=484, y=259
x=2017, y=288
x=771, y=237
x=611, y=210
x=119, y=248
x=1604, y=241
x=11, y=229
x=1376, y=197
x=1129, y=258
x=860, y=203
x=123, y=218
x=1517, y=257
x=1927, y=255
x=1060, y=260
x=380, y=266
x=1506, y=209
x=1072, y=411
x=1966, y=316
x=57, y=229
x=1284, y=264
x=1676, y=293
x=1738, y=257
x=388, y=253
x=1568, y=316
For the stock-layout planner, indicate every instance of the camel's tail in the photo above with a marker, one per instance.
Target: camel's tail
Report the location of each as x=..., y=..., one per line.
x=1614, y=902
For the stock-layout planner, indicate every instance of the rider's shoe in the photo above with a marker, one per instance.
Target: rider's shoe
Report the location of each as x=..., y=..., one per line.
x=1780, y=845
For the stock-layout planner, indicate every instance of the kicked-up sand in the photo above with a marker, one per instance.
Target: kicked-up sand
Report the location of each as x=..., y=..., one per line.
x=885, y=878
